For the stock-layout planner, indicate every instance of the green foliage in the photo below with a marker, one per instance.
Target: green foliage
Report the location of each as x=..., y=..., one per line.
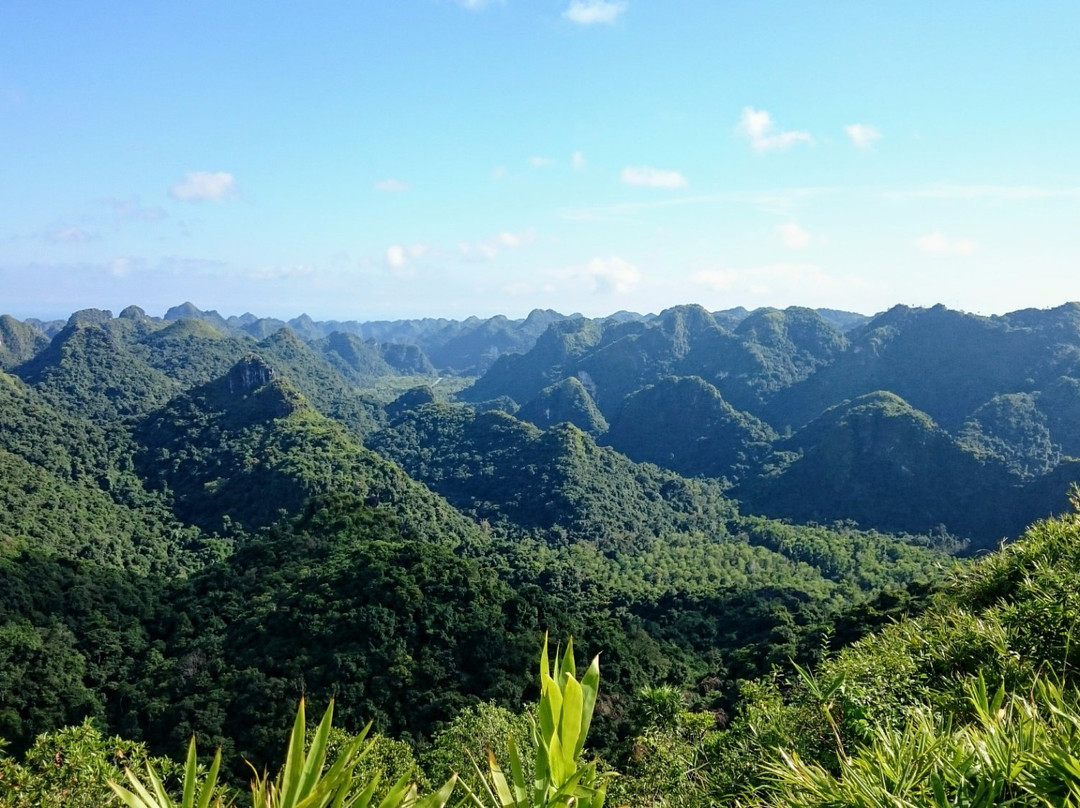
x=569, y=402
x=666, y=763
x=71, y=767
x=41, y=679
x=402, y=630
x=1023, y=750
x=19, y=342
x=502, y=469
x=89, y=368
x=478, y=729
x=560, y=777
x=128, y=443
x=1012, y=428
x=226, y=449
x=906, y=717
x=684, y=424
x=304, y=781
x=198, y=792
x=882, y=463
x=323, y=386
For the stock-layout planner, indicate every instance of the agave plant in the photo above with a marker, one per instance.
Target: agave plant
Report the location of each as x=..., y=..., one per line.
x=303, y=782
x=196, y=794
x=560, y=779
x=1021, y=751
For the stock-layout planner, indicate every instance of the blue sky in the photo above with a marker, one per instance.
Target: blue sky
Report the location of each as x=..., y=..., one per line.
x=381, y=159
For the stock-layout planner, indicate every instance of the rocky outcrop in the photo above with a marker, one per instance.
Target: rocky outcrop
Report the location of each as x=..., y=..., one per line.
x=250, y=373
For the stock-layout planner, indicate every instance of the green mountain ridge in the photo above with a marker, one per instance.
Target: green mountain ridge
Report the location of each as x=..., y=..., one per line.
x=197, y=527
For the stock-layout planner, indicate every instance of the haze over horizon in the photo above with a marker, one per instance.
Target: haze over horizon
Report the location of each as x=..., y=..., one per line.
x=449, y=158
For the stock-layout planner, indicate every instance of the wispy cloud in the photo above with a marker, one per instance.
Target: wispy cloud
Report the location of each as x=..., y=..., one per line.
x=540, y=162
x=577, y=160
x=793, y=235
x=488, y=249
x=863, y=135
x=70, y=235
x=780, y=201
x=757, y=126
x=400, y=256
x=994, y=193
x=603, y=276
x=122, y=267
x=938, y=244
x=274, y=273
x=392, y=186
x=593, y=12
x=132, y=210
x=476, y=5
x=204, y=185
x=776, y=283
x=649, y=177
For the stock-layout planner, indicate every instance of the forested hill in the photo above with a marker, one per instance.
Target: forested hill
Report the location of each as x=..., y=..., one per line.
x=202, y=517
x=903, y=422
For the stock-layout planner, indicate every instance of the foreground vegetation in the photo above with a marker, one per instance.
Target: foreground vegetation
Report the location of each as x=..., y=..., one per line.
x=975, y=702
x=203, y=522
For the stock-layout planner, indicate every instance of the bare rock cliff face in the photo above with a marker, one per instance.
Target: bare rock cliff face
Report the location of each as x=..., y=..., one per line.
x=249, y=374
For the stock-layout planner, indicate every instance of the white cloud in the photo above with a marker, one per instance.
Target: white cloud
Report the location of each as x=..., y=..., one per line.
x=516, y=239
x=995, y=193
x=488, y=249
x=273, y=273
x=478, y=251
x=130, y=210
x=780, y=202
x=121, y=267
x=399, y=256
x=776, y=284
x=650, y=177
x=863, y=135
x=499, y=173
x=577, y=160
x=591, y=12
x=793, y=236
x=604, y=276
x=71, y=235
x=757, y=125
x=938, y=244
x=476, y=5
x=392, y=186
x=540, y=162
x=200, y=185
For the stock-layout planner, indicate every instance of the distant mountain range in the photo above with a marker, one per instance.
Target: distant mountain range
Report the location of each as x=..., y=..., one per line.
x=914, y=420
x=202, y=517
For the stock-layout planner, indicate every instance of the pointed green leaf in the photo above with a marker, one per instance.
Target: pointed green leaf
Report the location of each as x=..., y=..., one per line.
x=498, y=780
x=517, y=772
x=570, y=725
x=398, y=793
x=556, y=762
x=363, y=799
x=567, y=667
x=210, y=783
x=294, y=760
x=316, y=755
x=129, y=799
x=439, y=798
x=551, y=703
x=590, y=686
x=141, y=796
x=159, y=788
x=547, y=717
x=191, y=774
